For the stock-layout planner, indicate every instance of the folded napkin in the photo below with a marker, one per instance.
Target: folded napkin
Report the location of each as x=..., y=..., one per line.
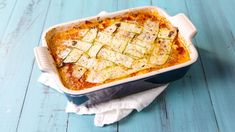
x=111, y=111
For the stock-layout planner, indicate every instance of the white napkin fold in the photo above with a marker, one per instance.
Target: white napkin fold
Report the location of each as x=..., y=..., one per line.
x=113, y=110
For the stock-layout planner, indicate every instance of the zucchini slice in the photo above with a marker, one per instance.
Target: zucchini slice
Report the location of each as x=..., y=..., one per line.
x=102, y=64
x=138, y=65
x=161, y=52
x=84, y=46
x=148, y=36
x=111, y=29
x=73, y=56
x=87, y=62
x=104, y=38
x=116, y=72
x=141, y=43
x=124, y=34
x=90, y=35
x=150, y=31
x=78, y=71
x=160, y=59
x=107, y=73
x=168, y=33
x=96, y=77
x=151, y=26
x=121, y=39
x=115, y=57
x=63, y=54
x=119, y=44
x=93, y=51
x=135, y=50
x=130, y=27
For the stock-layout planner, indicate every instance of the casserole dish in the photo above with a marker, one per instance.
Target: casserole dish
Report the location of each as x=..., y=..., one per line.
x=126, y=86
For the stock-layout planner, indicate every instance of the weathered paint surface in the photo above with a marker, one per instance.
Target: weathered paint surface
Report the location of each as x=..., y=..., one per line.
x=201, y=101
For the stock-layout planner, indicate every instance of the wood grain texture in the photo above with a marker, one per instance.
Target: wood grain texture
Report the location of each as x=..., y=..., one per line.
x=201, y=101
x=174, y=113
x=21, y=35
x=49, y=110
x=217, y=46
x=43, y=109
x=6, y=9
x=86, y=123
x=50, y=115
x=187, y=100
x=226, y=9
x=150, y=118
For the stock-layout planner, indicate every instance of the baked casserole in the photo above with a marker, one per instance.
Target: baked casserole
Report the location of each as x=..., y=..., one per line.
x=100, y=51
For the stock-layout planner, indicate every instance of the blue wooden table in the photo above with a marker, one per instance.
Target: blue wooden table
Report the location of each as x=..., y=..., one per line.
x=202, y=101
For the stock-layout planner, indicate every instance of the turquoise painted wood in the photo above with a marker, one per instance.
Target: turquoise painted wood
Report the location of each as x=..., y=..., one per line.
x=216, y=46
x=201, y=101
x=151, y=115
x=6, y=9
x=22, y=34
x=190, y=90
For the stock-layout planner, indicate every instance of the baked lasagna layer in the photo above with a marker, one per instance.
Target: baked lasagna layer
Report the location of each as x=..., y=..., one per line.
x=104, y=50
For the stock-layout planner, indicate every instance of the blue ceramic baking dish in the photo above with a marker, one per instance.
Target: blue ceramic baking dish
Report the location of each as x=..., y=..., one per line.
x=126, y=86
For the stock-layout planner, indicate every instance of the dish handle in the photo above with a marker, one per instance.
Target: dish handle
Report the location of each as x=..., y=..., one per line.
x=102, y=13
x=44, y=59
x=186, y=28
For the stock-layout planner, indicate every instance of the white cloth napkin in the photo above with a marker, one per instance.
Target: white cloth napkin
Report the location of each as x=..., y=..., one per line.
x=113, y=110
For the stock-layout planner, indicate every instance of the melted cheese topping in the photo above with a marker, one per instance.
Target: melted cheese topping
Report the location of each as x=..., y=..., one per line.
x=101, y=51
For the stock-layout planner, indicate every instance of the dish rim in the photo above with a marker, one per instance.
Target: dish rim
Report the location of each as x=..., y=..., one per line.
x=188, y=38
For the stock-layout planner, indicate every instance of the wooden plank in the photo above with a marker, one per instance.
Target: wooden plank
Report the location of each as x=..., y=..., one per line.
x=85, y=123
x=184, y=106
x=21, y=35
x=226, y=8
x=124, y=4
x=150, y=118
x=43, y=109
x=187, y=102
x=6, y=9
x=93, y=7
x=218, y=57
x=50, y=115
